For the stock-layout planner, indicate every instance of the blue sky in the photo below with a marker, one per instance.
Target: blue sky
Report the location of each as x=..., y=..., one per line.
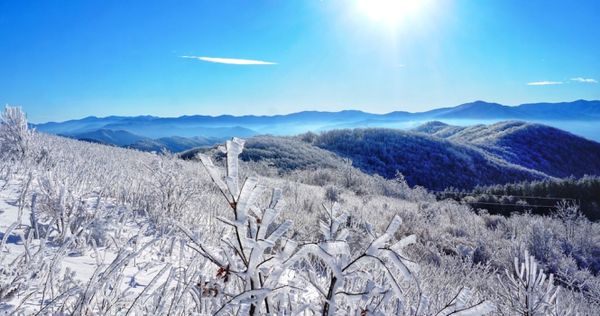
x=68, y=59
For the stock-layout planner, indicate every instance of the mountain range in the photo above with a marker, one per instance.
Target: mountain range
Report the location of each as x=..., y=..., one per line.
x=434, y=155
x=184, y=132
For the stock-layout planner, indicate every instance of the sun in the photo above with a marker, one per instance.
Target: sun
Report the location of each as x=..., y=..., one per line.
x=391, y=12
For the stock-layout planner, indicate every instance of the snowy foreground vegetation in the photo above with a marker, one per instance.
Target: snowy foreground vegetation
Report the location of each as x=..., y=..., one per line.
x=88, y=229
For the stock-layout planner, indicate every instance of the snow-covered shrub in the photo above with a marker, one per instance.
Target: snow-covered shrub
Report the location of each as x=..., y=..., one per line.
x=6, y=172
x=171, y=190
x=332, y=193
x=569, y=214
x=528, y=290
x=62, y=205
x=33, y=273
x=15, y=134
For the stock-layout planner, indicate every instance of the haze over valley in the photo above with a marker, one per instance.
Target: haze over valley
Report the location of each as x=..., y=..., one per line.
x=180, y=133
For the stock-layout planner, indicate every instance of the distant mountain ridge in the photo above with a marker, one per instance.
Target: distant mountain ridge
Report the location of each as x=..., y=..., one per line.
x=129, y=140
x=225, y=126
x=111, y=137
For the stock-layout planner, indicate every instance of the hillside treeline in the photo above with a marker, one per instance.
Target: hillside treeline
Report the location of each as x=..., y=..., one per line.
x=584, y=192
x=424, y=160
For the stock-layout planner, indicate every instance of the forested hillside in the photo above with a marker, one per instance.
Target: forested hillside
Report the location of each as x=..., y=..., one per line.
x=584, y=192
x=286, y=154
x=427, y=161
x=174, y=143
x=436, y=156
x=534, y=146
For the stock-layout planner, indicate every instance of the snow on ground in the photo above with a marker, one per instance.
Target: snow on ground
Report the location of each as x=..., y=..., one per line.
x=137, y=274
x=9, y=215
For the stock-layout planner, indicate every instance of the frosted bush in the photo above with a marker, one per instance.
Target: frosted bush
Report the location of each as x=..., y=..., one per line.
x=529, y=291
x=15, y=135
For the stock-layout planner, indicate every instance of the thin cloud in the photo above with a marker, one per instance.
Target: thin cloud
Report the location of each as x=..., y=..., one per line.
x=230, y=61
x=544, y=83
x=584, y=80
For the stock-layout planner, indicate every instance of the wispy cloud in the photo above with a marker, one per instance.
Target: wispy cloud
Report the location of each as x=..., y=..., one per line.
x=544, y=83
x=584, y=80
x=230, y=61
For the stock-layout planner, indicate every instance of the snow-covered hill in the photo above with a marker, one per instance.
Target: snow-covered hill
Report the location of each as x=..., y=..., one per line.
x=549, y=150
x=89, y=229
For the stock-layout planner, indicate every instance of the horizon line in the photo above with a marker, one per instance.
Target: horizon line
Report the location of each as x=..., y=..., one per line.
x=297, y=112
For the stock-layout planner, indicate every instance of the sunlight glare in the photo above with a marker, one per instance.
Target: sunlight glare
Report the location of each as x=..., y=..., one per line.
x=391, y=12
